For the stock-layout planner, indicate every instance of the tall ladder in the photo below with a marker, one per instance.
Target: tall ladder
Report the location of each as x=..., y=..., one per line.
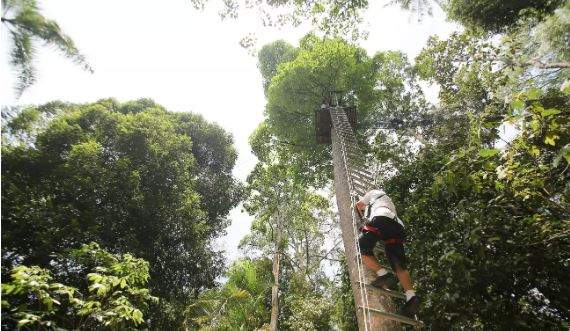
x=375, y=308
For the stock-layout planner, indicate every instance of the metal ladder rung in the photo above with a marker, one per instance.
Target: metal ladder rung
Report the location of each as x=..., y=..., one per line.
x=351, y=146
x=360, y=186
x=389, y=293
x=361, y=178
x=341, y=124
x=352, y=163
x=343, y=129
x=395, y=317
x=361, y=181
x=355, y=159
x=361, y=173
x=343, y=119
x=354, y=153
x=360, y=192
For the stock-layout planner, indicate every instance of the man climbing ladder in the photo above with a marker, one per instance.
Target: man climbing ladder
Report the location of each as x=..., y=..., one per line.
x=382, y=223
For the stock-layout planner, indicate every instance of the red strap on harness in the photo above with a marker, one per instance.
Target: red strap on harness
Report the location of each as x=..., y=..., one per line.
x=372, y=229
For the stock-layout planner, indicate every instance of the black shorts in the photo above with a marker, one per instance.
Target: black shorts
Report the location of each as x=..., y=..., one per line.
x=388, y=229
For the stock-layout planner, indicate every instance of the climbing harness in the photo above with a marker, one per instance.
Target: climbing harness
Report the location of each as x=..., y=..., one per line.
x=370, y=204
x=361, y=181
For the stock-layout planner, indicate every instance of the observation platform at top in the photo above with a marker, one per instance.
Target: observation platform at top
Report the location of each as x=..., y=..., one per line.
x=323, y=122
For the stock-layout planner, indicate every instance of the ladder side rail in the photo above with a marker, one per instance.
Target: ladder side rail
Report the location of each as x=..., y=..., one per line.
x=360, y=270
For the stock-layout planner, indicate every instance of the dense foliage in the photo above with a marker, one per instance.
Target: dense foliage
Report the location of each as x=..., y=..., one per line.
x=481, y=178
x=131, y=176
x=375, y=85
x=489, y=213
x=111, y=293
x=495, y=16
x=242, y=303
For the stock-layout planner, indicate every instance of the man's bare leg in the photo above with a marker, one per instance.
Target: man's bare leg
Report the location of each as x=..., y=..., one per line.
x=404, y=277
x=371, y=262
x=412, y=301
x=384, y=279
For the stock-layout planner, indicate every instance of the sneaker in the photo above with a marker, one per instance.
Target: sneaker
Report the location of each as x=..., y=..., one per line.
x=411, y=307
x=387, y=282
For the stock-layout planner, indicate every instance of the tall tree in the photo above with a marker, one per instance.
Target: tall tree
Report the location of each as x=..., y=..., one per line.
x=27, y=26
x=383, y=88
x=273, y=324
x=132, y=176
x=291, y=224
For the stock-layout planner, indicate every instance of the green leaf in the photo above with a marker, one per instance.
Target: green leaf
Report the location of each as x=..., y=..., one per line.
x=549, y=112
x=23, y=322
x=137, y=316
x=517, y=104
x=534, y=151
x=550, y=139
x=534, y=93
x=488, y=152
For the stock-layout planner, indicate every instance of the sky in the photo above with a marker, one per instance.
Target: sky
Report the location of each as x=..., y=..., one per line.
x=186, y=60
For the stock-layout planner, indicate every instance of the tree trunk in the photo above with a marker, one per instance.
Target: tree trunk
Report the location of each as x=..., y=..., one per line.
x=275, y=287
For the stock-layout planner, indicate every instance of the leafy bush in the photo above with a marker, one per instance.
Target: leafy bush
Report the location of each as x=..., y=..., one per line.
x=115, y=295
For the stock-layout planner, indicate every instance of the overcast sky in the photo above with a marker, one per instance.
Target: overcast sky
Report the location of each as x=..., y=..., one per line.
x=185, y=60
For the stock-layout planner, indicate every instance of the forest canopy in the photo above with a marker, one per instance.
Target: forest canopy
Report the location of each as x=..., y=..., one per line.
x=111, y=210
x=131, y=176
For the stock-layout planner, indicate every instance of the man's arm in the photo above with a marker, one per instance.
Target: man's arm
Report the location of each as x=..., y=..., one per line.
x=361, y=204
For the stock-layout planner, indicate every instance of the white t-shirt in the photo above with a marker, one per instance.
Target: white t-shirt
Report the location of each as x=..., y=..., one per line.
x=382, y=205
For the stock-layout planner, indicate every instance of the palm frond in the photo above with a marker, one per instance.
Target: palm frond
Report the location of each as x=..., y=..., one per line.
x=21, y=58
x=26, y=25
x=30, y=20
x=17, y=5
